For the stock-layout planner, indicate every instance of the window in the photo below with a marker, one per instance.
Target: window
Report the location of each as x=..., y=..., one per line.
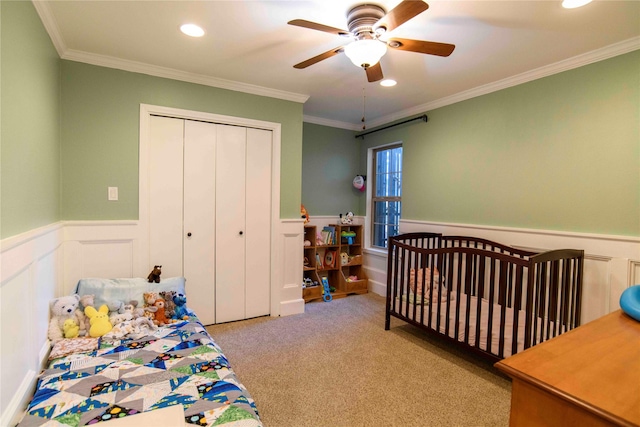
x=386, y=194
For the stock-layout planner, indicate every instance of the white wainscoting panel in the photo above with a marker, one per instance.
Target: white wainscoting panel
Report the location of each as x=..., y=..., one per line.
x=30, y=277
x=99, y=249
x=612, y=263
x=289, y=295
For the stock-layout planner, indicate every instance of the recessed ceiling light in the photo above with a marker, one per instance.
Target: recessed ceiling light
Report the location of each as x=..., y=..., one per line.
x=388, y=83
x=572, y=4
x=192, y=30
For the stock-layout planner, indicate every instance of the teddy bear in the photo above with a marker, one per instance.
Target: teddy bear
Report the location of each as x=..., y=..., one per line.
x=70, y=328
x=154, y=276
x=99, y=320
x=63, y=308
x=181, y=312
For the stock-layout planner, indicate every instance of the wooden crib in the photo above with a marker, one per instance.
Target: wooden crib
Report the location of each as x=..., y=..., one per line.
x=494, y=299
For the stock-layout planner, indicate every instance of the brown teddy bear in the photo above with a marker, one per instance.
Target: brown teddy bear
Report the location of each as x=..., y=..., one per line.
x=154, y=276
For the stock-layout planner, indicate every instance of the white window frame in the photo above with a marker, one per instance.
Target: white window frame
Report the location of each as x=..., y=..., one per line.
x=369, y=212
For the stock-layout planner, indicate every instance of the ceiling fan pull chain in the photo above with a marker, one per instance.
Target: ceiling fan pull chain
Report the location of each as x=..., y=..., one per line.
x=364, y=124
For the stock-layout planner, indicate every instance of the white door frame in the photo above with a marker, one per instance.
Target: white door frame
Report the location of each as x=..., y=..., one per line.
x=146, y=111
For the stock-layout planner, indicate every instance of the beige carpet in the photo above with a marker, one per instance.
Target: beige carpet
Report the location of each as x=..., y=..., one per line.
x=335, y=365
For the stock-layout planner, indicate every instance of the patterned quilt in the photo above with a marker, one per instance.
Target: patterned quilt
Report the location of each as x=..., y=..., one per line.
x=178, y=364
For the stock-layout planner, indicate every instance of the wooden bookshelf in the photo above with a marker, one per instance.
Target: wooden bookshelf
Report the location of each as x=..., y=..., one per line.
x=326, y=260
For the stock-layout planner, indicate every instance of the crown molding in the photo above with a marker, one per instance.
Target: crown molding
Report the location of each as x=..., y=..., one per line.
x=44, y=11
x=607, y=52
x=330, y=123
x=170, y=73
x=48, y=21
x=46, y=16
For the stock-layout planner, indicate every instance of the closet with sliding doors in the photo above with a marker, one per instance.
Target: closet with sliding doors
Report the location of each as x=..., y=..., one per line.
x=210, y=214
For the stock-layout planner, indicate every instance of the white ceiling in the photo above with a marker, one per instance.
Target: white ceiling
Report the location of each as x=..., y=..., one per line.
x=248, y=46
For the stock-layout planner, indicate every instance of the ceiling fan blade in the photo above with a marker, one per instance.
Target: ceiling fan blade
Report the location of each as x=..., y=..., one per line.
x=401, y=14
x=430, y=48
x=374, y=73
x=318, y=58
x=315, y=26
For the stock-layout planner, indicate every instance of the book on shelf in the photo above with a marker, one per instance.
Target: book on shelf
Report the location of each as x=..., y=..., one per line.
x=328, y=234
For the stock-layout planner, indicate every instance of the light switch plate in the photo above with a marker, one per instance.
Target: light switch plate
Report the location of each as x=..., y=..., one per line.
x=113, y=193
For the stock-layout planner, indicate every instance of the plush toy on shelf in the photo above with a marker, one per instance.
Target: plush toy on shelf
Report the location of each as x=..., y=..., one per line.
x=62, y=309
x=99, y=320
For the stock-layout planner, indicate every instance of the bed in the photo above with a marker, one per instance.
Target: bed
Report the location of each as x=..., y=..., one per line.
x=493, y=299
x=120, y=378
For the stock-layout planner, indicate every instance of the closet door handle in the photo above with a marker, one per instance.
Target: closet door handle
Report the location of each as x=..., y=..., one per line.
x=189, y=234
x=240, y=233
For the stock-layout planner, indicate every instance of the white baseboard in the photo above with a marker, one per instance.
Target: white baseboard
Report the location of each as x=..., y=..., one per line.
x=288, y=308
x=14, y=411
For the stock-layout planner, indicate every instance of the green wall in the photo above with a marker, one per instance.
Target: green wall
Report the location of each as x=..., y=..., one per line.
x=100, y=132
x=30, y=128
x=558, y=153
x=330, y=161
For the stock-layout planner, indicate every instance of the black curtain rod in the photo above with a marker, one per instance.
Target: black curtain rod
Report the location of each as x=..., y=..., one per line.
x=422, y=117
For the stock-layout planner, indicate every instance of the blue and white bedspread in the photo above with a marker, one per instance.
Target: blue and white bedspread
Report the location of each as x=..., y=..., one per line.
x=178, y=364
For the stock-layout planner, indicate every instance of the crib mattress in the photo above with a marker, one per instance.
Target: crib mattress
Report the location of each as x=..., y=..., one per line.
x=407, y=303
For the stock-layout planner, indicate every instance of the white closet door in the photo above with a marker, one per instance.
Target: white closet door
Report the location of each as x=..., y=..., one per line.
x=199, y=218
x=258, y=223
x=230, y=223
x=165, y=193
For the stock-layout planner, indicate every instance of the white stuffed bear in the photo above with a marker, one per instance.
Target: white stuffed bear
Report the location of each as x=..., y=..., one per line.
x=63, y=308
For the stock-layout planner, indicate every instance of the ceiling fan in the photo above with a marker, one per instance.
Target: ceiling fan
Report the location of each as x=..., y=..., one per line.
x=368, y=25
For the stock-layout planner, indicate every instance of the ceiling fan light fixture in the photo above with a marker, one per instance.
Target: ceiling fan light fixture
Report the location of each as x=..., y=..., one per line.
x=365, y=53
x=388, y=83
x=192, y=30
x=572, y=4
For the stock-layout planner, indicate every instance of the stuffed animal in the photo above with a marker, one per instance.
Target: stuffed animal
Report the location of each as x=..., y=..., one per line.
x=63, y=308
x=304, y=214
x=85, y=301
x=160, y=316
x=132, y=308
x=70, y=328
x=150, y=309
x=181, y=312
x=99, y=320
x=169, y=306
x=116, y=318
x=154, y=276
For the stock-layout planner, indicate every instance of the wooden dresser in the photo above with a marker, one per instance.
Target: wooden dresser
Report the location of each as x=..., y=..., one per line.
x=589, y=376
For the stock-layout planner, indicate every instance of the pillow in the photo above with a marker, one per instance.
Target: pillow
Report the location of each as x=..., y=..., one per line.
x=415, y=280
x=108, y=291
x=68, y=346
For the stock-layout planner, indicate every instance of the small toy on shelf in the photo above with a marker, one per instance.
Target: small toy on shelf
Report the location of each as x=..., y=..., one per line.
x=347, y=218
x=304, y=214
x=344, y=258
x=352, y=279
x=348, y=236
